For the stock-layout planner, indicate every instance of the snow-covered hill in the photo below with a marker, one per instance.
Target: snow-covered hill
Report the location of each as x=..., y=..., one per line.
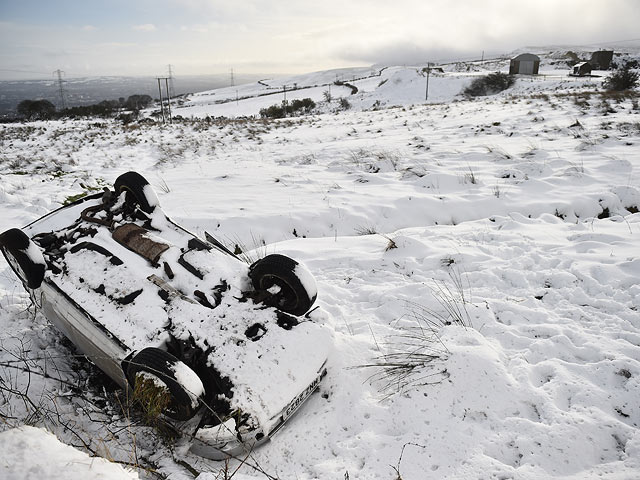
x=391, y=86
x=518, y=211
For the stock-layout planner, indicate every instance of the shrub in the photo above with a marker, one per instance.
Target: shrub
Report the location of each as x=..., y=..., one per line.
x=344, y=103
x=306, y=105
x=36, y=109
x=296, y=106
x=105, y=108
x=274, y=111
x=137, y=102
x=621, y=79
x=127, y=118
x=489, y=84
x=630, y=62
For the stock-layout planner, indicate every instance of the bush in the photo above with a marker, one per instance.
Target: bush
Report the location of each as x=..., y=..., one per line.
x=274, y=111
x=127, y=118
x=306, y=105
x=137, y=102
x=630, y=62
x=621, y=79
x=489, y=85
x=36, y=109
x=105, y=108
x=297, y=106
x=344, y=103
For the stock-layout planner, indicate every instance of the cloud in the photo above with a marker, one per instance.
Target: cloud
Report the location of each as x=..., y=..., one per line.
x=306, y=35
x=438, y=30
x=197, y=28
x=147, y=27
x=115, y=45
x=399, y=53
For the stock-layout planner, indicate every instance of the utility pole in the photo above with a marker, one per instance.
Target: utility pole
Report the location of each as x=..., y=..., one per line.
x=284, y=102
x=168, y=97
x=161, y=104
x=63, y=104
x=166, y=84
x=426, y=95
x=171, y=91
x=232, y=84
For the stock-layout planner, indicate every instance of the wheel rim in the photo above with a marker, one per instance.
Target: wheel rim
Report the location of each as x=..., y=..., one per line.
x=130, y=197
x=286, y=298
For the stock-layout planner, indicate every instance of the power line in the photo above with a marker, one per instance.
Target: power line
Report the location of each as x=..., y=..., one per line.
x=23, y=71
x=617, y=41
x=72, y=74
x=63, y=103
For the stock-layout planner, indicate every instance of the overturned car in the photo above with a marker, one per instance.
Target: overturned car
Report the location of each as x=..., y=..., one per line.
x=231, y=344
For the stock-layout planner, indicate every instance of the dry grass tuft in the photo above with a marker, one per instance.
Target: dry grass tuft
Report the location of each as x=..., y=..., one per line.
x=415, y=357
x=152, y=398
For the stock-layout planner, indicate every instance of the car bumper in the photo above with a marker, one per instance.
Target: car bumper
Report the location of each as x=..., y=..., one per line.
x=222, y=441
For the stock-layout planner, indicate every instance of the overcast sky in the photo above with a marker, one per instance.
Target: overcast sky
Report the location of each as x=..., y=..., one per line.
x=141, y=37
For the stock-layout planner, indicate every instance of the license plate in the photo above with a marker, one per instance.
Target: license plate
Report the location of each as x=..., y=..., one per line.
x=299, y=400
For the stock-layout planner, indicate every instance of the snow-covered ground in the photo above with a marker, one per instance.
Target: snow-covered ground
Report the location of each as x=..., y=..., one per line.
x=31, y=453
x=518, y=212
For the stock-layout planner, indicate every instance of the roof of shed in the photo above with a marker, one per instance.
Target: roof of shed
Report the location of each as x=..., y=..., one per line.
x=527, y=57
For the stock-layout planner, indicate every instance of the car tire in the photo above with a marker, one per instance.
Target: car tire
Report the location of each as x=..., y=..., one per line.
x=159, y=364
x=24, y=257
x=295, y=290
x=139, y=192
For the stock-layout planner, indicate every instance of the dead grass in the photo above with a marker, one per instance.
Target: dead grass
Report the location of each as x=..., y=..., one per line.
x=415, y=357
x=152, y=398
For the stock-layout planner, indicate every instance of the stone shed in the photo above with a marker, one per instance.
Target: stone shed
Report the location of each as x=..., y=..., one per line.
x=526, y=64
x=601, y=60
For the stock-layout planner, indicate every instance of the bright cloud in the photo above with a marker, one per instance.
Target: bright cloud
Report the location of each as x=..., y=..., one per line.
x=210, y=36
x=147, y=27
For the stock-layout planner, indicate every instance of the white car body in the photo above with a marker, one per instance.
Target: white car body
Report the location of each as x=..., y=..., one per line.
x=111, y=306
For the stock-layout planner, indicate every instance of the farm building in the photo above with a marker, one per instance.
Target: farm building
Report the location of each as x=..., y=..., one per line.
x=582, y=69
x=601, y=60
x=526, y=63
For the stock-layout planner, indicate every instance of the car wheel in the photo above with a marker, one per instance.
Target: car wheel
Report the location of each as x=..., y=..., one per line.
x=182, y=384
x=284, y=283
x=24, y=257
x=139, y=192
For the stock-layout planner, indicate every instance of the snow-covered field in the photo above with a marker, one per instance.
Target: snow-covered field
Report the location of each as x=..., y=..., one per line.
x=518, y=212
